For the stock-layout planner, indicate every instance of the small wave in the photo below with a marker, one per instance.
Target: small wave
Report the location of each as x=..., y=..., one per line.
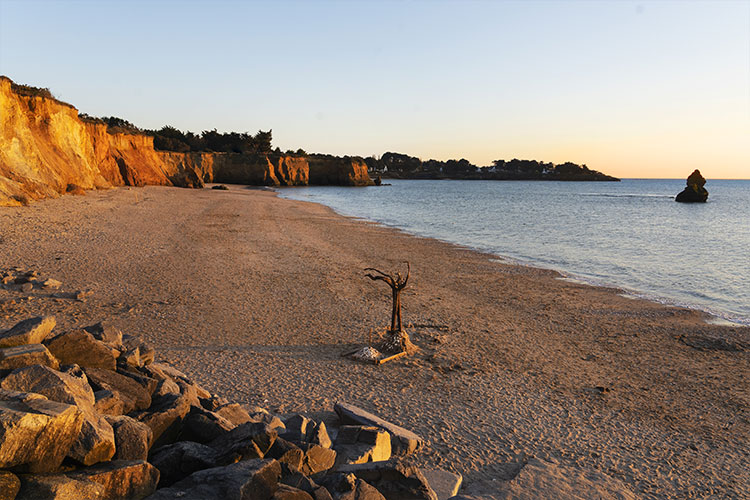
x=628, y=195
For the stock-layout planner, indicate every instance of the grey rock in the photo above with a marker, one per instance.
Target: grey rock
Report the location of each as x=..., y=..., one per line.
x=444, y=483
x=247, y=480
x=356, y=444
x=394, y=480
x=164, y=418
x=246, y=441
x=177, y=461
x=286, y=492
x=403, y=441
x=133, y=395
x=203, y=426
x=234, y=413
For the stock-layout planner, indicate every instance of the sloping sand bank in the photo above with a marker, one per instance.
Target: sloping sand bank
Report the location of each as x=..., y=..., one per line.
x=256, y=297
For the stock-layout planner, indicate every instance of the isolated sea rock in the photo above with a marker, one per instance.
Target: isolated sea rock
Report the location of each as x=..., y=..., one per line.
x=694, y=192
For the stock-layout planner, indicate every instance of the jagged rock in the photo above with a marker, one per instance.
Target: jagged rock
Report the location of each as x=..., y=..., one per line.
x=356, y=444
x=147, y=354
x=444, y=483
x=321, y=493
x=246, y=441
x=58, y=487
x=203, y=426
x=694, y=192
x=36, y=433
x=349, y=487
x=317, y=459
x=291, y=476
x=108, y=403
x=132, y=438
x=145, y=381
x=403, y=442
x=177, y=461
x=9, y=485
x=286, y=452
x=105, y=332
x=131, y=357
x=394, y=480
x=81, y=348
x=286, y=492
x=95, y=442
x=121, y=479
x=166, y=387
x=318, y=434
x=247, y=480
x=169, y=371
x=234, y=413
x=25, y=355
x=54, y=385
x=540, y=479
x=296, y=428
x=30, y=331
x=164, y=418
x=132, y=394
x=262, y=415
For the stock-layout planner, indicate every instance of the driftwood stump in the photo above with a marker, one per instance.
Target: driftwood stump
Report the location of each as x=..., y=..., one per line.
x=398, y=340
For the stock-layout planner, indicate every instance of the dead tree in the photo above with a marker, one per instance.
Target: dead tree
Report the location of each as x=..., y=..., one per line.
x=397, y=283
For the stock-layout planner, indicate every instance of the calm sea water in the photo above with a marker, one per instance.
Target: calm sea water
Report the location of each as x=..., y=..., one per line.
x=629, y=234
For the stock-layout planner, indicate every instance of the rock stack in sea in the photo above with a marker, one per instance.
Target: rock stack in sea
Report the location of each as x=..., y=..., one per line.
x=88, y=413
x=694, y=192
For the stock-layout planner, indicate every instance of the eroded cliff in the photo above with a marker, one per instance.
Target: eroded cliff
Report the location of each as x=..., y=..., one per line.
x=46, y=150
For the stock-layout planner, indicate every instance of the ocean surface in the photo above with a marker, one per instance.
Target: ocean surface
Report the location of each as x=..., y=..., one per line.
x=630, y=234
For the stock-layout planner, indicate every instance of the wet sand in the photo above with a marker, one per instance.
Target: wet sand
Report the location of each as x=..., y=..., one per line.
x=256, y=297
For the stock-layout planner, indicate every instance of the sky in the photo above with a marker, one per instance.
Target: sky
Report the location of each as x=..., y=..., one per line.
x=633, y=89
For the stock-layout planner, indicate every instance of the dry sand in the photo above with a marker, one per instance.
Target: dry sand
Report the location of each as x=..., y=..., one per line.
x=256, y=297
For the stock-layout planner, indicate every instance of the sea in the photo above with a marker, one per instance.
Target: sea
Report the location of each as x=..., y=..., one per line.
x=631, y=235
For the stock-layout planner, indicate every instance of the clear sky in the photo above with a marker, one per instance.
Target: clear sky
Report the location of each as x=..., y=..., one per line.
x=634, y=89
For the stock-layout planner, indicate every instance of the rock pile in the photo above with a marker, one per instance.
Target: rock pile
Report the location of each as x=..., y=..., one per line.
x=90, y=414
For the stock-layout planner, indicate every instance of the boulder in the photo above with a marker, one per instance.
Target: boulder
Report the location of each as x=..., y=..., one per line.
x=287, y=453
x=95, y=442
x=286, y=492
x=177, y=461
x=318, y=434
x=203, y=426
x=58, y=487
x=9, y=485
x=133, y=395
x=394, y=480
x=25, y=355
x=132, y=438
x=247, y=480
x=291, y=476
x=81, y=348
x=694, y=192
x=317, y=459
x=121, y=479
x=108, y=403
x=348, y=487
x=36, y=433
x=234, y=412
x=54, y=385
x=144, y=380
x=164, y=418
x=246, y=441
x=296, y=428
x=356, y=444
x=403, y=442
x=166, y=387
x=105, y=332
x=541, y=479
x=30, y=331
x=444, y=483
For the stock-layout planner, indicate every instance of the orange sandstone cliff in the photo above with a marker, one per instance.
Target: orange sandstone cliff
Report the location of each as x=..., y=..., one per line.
x=46, y=150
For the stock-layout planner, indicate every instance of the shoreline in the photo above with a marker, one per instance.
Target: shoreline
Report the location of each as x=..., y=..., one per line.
x=510, y=354
x=714, y=316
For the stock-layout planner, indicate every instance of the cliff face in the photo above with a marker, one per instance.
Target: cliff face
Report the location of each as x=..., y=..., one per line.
x=46, y=150
x=346, y=171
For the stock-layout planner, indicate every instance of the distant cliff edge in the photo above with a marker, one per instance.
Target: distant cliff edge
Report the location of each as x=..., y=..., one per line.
x=46, y=150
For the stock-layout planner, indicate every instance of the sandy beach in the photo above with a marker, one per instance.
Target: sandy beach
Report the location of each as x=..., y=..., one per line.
x=257, y=297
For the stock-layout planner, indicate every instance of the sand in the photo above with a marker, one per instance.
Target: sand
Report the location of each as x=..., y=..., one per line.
x=256, y=297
